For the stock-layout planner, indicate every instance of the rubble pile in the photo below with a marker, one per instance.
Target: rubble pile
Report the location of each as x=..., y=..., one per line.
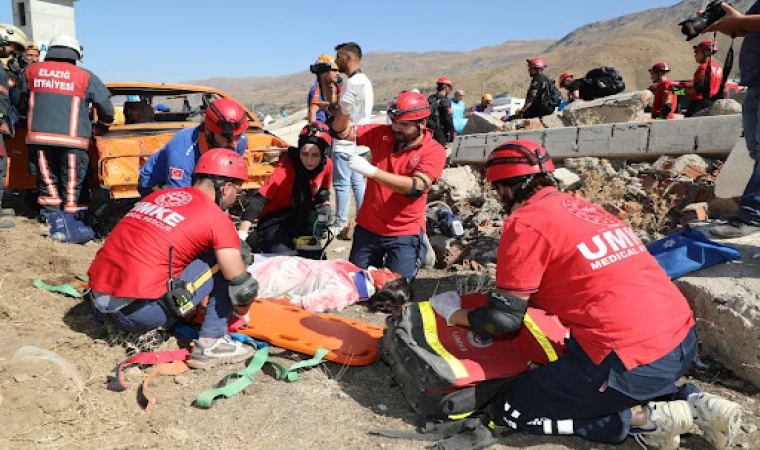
x=654, y=198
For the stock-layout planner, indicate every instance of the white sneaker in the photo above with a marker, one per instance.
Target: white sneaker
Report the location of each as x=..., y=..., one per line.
x=224, y=350
x=671, y=420
x=719, y=419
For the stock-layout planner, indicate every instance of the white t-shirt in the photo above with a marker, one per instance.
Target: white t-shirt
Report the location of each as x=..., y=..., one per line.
x=359, y=98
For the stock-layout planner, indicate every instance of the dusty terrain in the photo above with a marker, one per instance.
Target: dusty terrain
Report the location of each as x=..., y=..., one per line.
x=44, y=406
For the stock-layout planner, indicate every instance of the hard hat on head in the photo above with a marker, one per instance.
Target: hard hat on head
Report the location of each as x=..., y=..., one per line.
x=516, y=159
x=65, y=41
x=409, y=106
x=536, y=63
x=224, y=163
x=487, y=96
x=12, y=35
x=226, y=117
x=444, y=81
x=315, y=133
x=707, y=45
x=660, y=67
x=324, y=63
x=564, y=77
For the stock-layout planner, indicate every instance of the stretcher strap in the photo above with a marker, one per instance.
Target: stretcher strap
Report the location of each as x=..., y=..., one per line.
x=114, y=380
x=543, y=341
x=172, y=368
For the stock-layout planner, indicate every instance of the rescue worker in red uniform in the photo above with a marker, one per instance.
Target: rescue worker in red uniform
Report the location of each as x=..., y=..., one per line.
x=6, y=129
x=631, y=334
x=705, y=88
x=55, y=97
x=406, y=161
x=665, y=101
x=298, y=191
x=185, y=230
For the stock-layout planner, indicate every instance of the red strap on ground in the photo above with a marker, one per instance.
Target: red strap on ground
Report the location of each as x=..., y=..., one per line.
x=114, y=380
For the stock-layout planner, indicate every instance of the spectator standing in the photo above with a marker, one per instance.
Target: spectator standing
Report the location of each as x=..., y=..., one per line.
x=665, y=101
x=324, y=91
x=55, y=97
x=747, y=220
x=458, y=109
x=354, y=108
x=406, y=161
x=441, y=120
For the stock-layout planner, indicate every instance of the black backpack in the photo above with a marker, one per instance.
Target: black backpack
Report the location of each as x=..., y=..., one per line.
x=434, y=121
x=550, y=97
x=601, y=82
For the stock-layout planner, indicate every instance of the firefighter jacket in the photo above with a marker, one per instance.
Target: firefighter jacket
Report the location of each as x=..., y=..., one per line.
x=5, y=106
x=55, y=98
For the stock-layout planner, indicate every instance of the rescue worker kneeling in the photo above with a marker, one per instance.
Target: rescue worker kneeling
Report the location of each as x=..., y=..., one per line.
x=632, y=333
x=295, y=196
x=185, y=231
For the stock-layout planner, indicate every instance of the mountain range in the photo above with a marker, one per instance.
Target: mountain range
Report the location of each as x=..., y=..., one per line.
x=630, y=43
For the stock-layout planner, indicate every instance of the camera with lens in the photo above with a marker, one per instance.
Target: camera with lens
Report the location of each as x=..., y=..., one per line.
x=693, y=26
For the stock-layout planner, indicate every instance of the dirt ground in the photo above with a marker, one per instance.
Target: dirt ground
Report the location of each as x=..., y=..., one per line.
x=51, y=403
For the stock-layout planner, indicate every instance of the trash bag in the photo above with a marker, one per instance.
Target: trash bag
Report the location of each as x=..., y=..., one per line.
x=689, y=250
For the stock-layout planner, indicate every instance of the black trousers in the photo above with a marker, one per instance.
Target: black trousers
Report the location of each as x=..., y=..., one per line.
x=3, y=168
x=61, y=172
x=697, y=106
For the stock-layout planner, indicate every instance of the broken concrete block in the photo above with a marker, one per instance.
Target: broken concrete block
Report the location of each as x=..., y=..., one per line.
x=561, y=142
x=461, y=184
x=722, y=107
x=568, y=179
x=556, y=120
x=619, y=108
x=469, y=149
x=735, y=173
x=717, y=134
x=726, y=304
x=482, y=123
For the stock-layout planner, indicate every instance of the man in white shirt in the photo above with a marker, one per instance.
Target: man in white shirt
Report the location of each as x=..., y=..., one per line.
x=356, y=102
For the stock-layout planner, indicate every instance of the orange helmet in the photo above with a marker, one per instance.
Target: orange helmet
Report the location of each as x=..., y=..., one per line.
x=324, y=63
x=518, y=158
x=487, y=96
x=409, y=106
x=223, y=163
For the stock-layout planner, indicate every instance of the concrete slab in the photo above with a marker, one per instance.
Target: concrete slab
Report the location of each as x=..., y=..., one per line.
x=594, y=140
x=735, y=173
x=469, y=149
x=726, y=304
x=561, y=142
x=532, y=135
x=673, y=137
x=494, y=140
x=718, y=133
x=629, y=139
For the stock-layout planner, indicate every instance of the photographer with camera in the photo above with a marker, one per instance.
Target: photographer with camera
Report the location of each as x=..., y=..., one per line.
x=747, y=220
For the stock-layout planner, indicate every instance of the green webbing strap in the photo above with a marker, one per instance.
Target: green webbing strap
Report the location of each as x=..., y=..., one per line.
x=228, y=388
x=60, y=289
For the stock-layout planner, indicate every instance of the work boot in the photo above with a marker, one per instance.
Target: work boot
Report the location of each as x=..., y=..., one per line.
x=224, y=350
x=670, y=419
x=734, y=229
x=718, y=418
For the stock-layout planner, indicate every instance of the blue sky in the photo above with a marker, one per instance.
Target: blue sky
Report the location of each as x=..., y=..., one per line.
x=179, y=40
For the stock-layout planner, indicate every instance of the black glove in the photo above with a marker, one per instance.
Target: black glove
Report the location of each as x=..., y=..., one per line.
x=246, y=253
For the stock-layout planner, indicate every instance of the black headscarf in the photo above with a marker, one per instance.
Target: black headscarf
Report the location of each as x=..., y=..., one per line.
x=303, y=201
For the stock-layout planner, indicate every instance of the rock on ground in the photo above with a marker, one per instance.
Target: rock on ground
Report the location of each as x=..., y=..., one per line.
x=722, y=107
x=613, y=109
x=460, y=183
x=735, y=173
x=482, y=123
x=726, y=304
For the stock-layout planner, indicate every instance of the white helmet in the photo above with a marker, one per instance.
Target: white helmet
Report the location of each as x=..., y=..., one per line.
x=64, y=40
x=13, y=35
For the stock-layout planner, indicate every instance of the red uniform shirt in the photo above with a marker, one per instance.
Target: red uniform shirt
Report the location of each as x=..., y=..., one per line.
x=384, y=212
x=279, y=189
x=134, y=261
x=582, y=264
x=662, y=94
x=700, y=76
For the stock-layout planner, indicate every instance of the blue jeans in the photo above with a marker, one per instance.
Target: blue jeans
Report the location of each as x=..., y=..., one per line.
x=153, y=315
x=400, y=254
x=575, y=396
x=749, y=205
x=344, y=180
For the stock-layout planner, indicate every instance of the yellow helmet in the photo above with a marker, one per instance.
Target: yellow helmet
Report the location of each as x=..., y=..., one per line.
x=487, y=96
x=14, y=36
x=323, y=64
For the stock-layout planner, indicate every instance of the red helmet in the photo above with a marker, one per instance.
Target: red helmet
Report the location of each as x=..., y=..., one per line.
x=444, y=80
x=223, y=163
x=226, y=117
x=536, y=63
x=409, y=106
x=564, y=77
x=708, y=45
x=516, y=159
x=660, y=67
x=315, y=133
